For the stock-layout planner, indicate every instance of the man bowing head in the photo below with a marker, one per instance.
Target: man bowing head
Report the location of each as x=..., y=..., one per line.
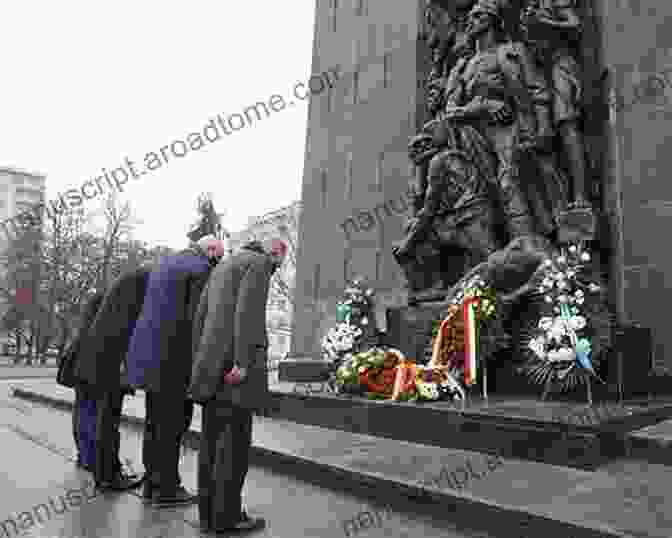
x=230, y=378
x=159, y=361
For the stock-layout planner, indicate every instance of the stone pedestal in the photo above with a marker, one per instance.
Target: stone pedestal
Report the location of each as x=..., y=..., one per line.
x=409, y=329
x=577, y=225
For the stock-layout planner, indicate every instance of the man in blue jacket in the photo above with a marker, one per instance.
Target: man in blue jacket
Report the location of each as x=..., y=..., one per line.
x=159, y=361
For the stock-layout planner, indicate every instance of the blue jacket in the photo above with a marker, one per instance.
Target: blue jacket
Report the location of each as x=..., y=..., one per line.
x=159, y=354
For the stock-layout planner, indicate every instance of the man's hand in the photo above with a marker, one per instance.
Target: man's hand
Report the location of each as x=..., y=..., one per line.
x=235, y=376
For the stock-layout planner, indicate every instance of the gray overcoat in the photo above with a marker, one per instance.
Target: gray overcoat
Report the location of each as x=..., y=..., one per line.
x=230, y=329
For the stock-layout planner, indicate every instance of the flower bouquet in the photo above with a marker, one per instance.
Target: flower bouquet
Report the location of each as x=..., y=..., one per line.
x=371, y=372
x=340, y=340
x=573, y=322
x=434, y=384
x=460, y=340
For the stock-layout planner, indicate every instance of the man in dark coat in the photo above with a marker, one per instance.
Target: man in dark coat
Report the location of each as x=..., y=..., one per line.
x=230, y=379
x=84, y=408
x=159, y=361
x=104, y=353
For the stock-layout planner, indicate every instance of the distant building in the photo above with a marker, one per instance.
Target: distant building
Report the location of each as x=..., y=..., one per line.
x=19, y=191
x=282, y=223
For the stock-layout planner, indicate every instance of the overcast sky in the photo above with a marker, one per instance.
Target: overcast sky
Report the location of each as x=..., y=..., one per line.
x=87, y=84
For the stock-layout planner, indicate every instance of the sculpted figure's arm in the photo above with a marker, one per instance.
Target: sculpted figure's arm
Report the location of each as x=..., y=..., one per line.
x=561, y=17
x=454, y=96
x=512, y=61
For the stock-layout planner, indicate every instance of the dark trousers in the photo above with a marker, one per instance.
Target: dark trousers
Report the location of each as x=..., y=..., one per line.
x=84, y=427
x=167, y=419
x=223, y=460
x=75, y=419
x=107, y=435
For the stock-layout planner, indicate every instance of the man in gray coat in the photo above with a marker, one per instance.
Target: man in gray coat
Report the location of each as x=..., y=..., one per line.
x=230, y=379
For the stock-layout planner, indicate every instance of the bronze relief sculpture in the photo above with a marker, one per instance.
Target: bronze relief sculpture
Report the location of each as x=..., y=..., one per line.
x=501, y=180
x=502, y=156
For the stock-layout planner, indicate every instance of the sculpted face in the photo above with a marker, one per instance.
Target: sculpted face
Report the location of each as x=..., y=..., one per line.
x=440, y=29
x=479, y=23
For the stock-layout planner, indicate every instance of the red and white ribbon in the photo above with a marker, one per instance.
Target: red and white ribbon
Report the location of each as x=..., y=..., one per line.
x=470, y=341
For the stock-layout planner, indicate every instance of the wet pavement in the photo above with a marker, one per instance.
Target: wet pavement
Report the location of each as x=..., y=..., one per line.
x=45, y=495
x=624, y=498
x=10, y=371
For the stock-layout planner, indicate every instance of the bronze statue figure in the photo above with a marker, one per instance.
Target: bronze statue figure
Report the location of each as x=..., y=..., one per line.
x=503, y=148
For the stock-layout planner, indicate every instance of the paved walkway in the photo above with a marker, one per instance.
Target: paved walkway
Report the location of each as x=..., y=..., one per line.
x=38, y=472
x=536, y=495
x=23, y=372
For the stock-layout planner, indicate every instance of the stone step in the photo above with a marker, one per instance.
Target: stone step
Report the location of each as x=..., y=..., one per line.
x=554, y=432
x=514, y=497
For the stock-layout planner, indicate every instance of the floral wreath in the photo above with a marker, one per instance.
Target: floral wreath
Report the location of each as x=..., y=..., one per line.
x=458, y=341
x=352, y=315
x=566, y=342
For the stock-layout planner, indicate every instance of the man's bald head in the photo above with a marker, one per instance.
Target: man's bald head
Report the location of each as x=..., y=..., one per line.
x=277, y=249
x=212, y=246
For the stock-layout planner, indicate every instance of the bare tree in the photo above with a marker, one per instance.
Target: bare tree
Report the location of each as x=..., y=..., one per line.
x=52, y=267
x=119, y=223
x=71, y=257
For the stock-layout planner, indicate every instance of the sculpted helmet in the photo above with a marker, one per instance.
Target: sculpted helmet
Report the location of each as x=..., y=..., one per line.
x=451, y=5
x=491, y=7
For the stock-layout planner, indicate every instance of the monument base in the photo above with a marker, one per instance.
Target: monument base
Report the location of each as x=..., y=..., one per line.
x=409, y=329
x=555, y=432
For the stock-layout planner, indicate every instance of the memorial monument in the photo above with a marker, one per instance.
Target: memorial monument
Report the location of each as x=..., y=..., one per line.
x=518, y=179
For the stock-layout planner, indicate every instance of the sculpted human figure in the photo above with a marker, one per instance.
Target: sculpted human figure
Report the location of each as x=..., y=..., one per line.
x=487, y=116
x=553, y=27
x=488, y=92
x=546, y=184
x=511, y=271
x=457, y=213
x=445, y=30
x=503, y=114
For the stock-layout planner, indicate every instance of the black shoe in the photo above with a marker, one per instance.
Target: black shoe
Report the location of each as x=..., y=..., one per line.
x=204, y=513
x=244, y=524
x=149, y=492
x=90, y=468
x=118, y=483
x=180, y=497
